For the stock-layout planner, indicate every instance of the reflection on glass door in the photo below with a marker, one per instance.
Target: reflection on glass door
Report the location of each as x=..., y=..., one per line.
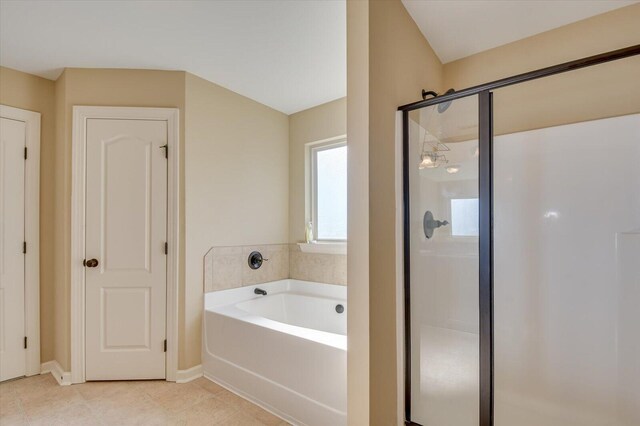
x=442, y=167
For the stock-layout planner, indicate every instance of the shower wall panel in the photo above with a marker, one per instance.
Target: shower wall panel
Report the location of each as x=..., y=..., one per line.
x=567, y=275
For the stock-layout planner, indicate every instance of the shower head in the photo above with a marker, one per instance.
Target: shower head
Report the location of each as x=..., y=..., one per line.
x=445, y=105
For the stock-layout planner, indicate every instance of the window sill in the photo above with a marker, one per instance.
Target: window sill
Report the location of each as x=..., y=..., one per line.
x=324, y=247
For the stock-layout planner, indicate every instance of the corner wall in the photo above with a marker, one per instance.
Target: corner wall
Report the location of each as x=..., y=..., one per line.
x=358, y=212
x=61, y=209
x=26, y=91
x=236, y=186
x=401, y=63
x=398, y=63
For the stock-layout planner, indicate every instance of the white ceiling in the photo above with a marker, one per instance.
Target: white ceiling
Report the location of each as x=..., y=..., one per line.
x=459, y=28
x=290, y=55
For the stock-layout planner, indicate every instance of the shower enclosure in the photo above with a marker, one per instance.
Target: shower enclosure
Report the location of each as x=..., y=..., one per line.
x=522, y=249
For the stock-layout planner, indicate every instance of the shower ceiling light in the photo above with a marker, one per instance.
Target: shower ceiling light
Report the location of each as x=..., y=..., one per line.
x=431, y=160
x=430, y=157
x=453, y=169
x=432, y=143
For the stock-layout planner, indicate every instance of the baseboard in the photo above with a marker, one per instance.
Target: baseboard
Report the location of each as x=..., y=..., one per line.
x=184, y=376
x=62, y=377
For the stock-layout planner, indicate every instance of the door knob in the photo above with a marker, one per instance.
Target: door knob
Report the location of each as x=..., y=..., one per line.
x=91, y=263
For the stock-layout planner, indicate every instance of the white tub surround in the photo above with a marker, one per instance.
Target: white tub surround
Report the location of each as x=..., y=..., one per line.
x=286, y=351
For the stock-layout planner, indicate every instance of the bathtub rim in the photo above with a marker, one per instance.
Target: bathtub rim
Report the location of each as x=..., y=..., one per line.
x=229, y=298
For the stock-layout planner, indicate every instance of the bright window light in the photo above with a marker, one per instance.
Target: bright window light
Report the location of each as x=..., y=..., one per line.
x=464, y=217
x=330, y=192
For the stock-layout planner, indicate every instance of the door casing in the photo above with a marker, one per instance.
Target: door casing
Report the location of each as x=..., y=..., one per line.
x=32, y=233
x=78, y=177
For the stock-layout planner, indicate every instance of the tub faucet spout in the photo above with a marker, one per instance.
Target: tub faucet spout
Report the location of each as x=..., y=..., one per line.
x=260, y=291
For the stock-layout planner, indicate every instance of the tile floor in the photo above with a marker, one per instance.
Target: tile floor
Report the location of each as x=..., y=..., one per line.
x=38, y=400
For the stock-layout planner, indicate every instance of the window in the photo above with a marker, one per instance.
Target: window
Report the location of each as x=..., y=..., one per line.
x=329, y=191
x=464, y=217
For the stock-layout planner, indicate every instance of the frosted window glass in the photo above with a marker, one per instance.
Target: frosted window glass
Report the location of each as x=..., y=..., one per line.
x=331, y=197
x=464, y=217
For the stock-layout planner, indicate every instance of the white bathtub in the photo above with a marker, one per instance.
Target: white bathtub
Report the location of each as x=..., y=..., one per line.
x=286, y=351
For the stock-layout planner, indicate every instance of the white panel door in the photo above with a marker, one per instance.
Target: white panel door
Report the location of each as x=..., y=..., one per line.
x=126, y=227
x=12, y=332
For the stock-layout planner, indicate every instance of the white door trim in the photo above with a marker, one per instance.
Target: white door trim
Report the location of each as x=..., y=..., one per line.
x=32, y=233
x=78, y=176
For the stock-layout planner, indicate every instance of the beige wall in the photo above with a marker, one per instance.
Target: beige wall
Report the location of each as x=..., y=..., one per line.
x=401, y=64
x=602, y=91
x=315, y=124
x=358, y=212
x=388, y=63
x=32, y=93
x=104, y=87
x=237, y=186
x=235, y=154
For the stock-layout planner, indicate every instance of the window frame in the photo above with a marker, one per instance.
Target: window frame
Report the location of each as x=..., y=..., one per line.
x=313, y=149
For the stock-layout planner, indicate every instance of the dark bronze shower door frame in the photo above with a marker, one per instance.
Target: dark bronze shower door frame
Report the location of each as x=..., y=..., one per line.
x=485, y=191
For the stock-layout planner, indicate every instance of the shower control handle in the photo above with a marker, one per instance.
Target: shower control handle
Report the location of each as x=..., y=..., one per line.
x=437, y=223
x=256, y=259
x=430, y=224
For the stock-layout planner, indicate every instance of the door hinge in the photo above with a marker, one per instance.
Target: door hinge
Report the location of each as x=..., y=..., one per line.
x=166, y=248
x=24, y=247
x=25, y=342
x=166, y=150
x=165, y=345
x=25, y=152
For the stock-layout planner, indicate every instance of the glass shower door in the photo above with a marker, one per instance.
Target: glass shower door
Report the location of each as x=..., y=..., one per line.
x=441, y=166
